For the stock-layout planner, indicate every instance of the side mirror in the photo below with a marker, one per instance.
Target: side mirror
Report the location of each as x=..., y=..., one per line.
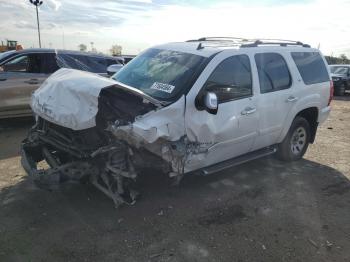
x=112, y=69
x=211, y=103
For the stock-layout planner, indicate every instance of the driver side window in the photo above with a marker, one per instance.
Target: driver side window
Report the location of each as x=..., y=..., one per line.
x=18, y=64
x=231, y=79
x=31, y=63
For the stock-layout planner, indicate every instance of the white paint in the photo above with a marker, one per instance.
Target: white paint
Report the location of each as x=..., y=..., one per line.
x=70, y=98
x=167, y=123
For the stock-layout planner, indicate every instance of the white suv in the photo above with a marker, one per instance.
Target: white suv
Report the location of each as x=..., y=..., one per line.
x=196, y=106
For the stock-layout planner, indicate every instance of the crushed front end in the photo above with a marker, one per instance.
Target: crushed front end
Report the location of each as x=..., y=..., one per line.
x=107, y=147
x=70, y=155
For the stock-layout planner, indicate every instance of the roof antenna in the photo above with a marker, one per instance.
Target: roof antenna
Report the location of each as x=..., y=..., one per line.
x=200, y=46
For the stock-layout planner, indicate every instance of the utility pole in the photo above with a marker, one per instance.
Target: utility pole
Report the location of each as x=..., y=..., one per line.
x=37, y=3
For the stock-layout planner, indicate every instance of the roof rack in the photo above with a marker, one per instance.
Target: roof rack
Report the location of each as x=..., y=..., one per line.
x=279, y=42
x=244, y=42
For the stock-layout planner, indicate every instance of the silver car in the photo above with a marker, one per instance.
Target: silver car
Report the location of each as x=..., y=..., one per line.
x=23, y=72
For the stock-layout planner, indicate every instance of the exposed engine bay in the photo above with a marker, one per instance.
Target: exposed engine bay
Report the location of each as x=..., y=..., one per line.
x=109, y=154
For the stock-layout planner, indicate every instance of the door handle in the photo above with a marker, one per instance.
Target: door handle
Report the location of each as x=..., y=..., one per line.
x=3, y=79
x=291, y=99
x=248, y=111
x=32, y=81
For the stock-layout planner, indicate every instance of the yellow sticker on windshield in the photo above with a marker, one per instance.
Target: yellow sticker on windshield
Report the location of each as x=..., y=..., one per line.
x=163, y=87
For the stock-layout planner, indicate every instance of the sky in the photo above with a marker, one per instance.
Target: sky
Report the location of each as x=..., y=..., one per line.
x=139, y=24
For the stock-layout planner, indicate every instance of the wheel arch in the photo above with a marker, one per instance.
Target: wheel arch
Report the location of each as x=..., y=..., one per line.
x=311, y=114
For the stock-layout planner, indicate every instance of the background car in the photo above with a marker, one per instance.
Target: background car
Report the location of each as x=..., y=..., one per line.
x=6, y=54
x=341, y=78
x=112, y=69
x=24, y=71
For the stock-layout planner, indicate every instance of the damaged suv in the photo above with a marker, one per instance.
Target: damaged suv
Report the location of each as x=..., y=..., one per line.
x=192, y=107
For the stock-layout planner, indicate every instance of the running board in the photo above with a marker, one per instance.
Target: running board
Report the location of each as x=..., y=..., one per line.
x=238, y=160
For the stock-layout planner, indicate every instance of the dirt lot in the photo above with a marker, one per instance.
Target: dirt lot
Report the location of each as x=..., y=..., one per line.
x=264, y=210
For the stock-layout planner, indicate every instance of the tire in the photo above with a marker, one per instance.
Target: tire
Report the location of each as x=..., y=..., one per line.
x=340, y=91
x=296, y=142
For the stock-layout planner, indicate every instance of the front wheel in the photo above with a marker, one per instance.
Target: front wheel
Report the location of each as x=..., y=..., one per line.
x=296, y=142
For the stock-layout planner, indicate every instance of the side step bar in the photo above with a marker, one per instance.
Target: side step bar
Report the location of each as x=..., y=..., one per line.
x=238, y=160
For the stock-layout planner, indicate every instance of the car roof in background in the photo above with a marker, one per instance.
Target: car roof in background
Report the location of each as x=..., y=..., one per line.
x=62, y=51
x=6, y=54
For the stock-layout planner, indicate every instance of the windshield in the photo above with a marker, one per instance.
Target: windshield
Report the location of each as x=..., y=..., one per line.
x=341, y=70
x=162, y=74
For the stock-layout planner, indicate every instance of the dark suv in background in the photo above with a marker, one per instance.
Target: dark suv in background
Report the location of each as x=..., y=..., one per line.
x=24, y=71
x=341, y=78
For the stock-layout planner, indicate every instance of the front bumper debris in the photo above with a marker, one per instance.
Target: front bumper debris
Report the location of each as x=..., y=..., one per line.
x=108, y=168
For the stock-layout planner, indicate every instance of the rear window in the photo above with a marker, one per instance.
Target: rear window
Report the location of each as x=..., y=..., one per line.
x=88, y=63
x=273, y=72
x=311, y=67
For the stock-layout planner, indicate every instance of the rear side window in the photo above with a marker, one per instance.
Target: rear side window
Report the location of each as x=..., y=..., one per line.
x=231, y=79
x=48, y=64
x=273, y=72
x=311, y=67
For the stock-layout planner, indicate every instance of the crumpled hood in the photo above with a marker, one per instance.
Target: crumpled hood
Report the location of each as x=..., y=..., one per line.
x=70, y=98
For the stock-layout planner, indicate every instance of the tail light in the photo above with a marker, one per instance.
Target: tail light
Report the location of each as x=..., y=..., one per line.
x=331, y=92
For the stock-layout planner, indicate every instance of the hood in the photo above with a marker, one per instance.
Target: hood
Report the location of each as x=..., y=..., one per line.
x=69, y=98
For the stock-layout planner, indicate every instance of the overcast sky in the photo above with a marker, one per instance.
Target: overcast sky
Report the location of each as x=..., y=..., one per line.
x=138, y=24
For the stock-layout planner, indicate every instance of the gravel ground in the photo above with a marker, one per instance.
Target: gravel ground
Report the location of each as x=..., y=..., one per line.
x=265, y=210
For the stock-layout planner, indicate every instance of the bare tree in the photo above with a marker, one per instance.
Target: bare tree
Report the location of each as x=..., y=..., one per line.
x=344, y=58
x=116, y=50
x=82, y=47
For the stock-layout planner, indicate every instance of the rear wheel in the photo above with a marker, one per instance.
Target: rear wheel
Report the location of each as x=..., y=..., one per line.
x=296, y=142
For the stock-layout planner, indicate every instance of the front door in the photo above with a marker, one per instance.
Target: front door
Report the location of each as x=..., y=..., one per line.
x=19, y=78
x=230, y=132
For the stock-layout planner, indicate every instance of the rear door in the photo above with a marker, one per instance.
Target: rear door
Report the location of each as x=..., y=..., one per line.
x=20, y=76
x=277, y=96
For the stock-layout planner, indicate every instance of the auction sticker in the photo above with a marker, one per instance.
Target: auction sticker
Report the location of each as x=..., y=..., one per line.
x=163, y=87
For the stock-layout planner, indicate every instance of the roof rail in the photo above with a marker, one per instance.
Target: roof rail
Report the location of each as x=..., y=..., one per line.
x=219, y=38
x=279, y=42
x=244, y=42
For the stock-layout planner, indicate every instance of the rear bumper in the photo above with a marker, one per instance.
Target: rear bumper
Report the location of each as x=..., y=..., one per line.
x=323, y=114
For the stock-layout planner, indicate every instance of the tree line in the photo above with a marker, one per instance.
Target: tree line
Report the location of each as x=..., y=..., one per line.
x=115, y=50
x=342, y=59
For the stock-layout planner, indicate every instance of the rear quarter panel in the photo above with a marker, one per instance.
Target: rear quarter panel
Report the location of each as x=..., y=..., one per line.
x=314, y=95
